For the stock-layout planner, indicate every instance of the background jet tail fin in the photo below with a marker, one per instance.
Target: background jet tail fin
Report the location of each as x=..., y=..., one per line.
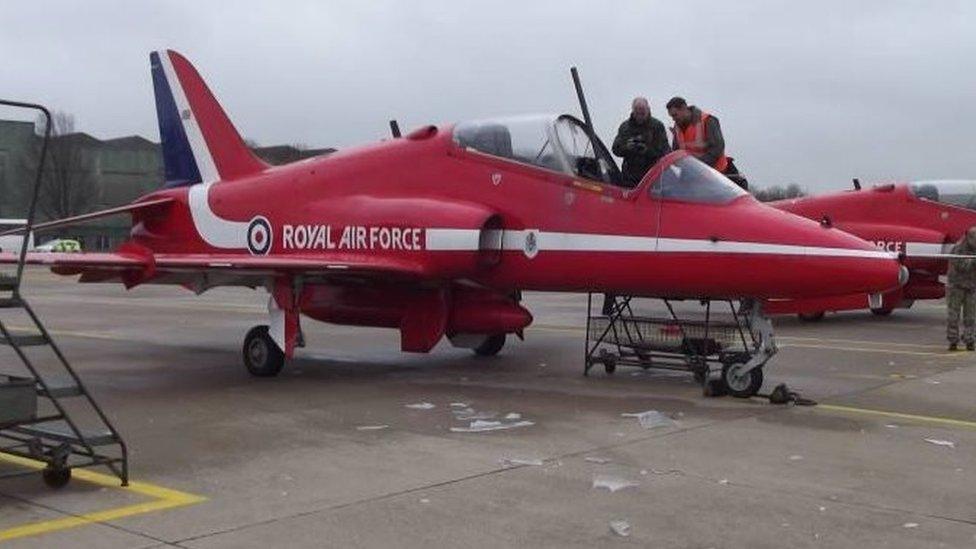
x=199, y=142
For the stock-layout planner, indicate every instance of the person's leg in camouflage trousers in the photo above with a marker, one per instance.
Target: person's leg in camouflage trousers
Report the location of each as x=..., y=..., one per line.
x=969, y=319
x=954, y=302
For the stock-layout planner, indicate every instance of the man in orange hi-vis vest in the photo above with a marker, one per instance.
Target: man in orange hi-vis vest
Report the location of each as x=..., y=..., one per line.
x=700, y=134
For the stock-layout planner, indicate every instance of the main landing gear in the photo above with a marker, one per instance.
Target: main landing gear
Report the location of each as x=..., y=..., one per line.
x=491, y=345
x=262, y=357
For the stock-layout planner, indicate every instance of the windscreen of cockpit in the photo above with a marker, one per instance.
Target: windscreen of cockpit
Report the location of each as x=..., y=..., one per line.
x=691, y=180
x=522, y=138
x=953, y=192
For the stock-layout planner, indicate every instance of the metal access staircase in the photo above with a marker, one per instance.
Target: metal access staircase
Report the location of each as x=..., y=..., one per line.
x=46, y=413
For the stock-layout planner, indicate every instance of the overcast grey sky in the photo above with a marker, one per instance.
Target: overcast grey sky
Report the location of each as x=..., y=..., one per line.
x=812, y=93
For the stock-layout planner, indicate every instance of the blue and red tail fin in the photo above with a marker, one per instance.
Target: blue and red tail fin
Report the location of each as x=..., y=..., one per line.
x=200, y=144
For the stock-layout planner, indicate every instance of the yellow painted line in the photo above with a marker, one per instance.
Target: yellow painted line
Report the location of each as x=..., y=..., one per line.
x=945, y=354
x=898, y=415
x=788, y=341
x=162, y=499
x=858, y=342
x=72, y=333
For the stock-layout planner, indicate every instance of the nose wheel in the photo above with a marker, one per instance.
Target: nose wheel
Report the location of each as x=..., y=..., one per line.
x=262, y=357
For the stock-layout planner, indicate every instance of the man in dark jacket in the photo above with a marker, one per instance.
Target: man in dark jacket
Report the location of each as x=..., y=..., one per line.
x=641, y=141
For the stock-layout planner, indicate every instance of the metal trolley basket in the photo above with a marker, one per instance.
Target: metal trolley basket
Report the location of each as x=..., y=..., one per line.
x=726, y=356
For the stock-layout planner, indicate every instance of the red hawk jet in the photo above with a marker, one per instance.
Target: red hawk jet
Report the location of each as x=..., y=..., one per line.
x=919, y=221
x=437, y=232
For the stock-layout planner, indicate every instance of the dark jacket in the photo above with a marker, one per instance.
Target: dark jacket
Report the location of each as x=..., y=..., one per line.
x=641, y=145
x=714, y=142
x=962, y=272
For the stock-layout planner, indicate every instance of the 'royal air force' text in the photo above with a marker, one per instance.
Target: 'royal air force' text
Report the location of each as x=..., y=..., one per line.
x=352, y=237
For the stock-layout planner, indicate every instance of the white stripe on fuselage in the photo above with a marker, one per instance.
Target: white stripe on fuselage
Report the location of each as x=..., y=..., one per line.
x=467, y=240
x=215, y=231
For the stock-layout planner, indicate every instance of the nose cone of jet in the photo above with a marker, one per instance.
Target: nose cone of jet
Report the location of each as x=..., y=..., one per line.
x=823, y=261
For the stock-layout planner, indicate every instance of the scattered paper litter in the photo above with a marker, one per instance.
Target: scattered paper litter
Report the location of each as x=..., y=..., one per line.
x=940, y=442
x=599, y=460
x=651, y=419
x=724, y=481
x=424, y=500
x=910, y=525
x=371, y=427
x=891, y=425
x=513, y=415
x=620, y=527
x=795, y=457
x=459, y=405
x=421, y=406
x=822, y=508
x=613, y=483
x=932, y=381
x=480, y=426
x=513, y=462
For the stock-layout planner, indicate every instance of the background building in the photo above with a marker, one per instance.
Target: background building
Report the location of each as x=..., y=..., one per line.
x=88, y=174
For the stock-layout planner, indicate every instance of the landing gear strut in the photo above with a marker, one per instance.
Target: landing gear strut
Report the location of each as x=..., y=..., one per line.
x=262, y=357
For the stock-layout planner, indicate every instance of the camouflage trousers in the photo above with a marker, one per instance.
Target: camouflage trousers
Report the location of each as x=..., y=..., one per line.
x=961, y=301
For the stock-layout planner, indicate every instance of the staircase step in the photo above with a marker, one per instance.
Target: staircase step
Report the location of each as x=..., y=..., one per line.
x=61, y=432
x=24, y=340
x=59, y=387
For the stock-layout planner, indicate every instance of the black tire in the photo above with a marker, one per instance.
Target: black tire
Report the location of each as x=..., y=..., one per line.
x=262, y=357
x=56, y=477
x=491, y=346
x=742, y=386
x=811, y=317
x=882, y=311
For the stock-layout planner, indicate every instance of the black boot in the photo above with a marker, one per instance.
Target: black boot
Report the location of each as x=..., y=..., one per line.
x=953, y=346
x=971, y=346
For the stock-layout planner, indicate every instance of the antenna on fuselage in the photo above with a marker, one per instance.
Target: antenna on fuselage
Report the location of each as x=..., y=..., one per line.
x=395, y=128
x=857, y=184
x=582, y=99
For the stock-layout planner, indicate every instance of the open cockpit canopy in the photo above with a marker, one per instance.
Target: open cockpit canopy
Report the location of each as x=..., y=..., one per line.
x=560, y=143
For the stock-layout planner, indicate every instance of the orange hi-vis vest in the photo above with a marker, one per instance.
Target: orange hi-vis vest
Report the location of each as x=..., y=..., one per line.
x=692, y=139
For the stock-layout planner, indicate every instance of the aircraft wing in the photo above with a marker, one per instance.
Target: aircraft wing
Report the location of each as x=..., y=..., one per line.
x=133, y=266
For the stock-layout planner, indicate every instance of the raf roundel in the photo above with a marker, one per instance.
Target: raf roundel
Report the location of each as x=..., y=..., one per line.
x=259, y=236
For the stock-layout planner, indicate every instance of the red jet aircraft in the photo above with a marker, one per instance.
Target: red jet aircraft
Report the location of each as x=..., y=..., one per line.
x=919, y=221
x=436, y=233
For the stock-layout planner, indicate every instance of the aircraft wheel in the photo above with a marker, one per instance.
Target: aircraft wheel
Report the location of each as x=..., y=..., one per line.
x=262, y=357
x=491, y=346
x=56, y=477
x=742, y=384
x=882, y=311
x=811, y=317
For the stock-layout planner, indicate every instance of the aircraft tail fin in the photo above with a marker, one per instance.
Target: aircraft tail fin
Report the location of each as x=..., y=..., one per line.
x=199, y=142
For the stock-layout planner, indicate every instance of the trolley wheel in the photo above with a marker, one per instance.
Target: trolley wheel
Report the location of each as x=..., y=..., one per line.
x=610, y=366
x=491, y=346
x=742, y=384
x=56, y=477
x=811, y=317
x=882, y=311
x=262, y=357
